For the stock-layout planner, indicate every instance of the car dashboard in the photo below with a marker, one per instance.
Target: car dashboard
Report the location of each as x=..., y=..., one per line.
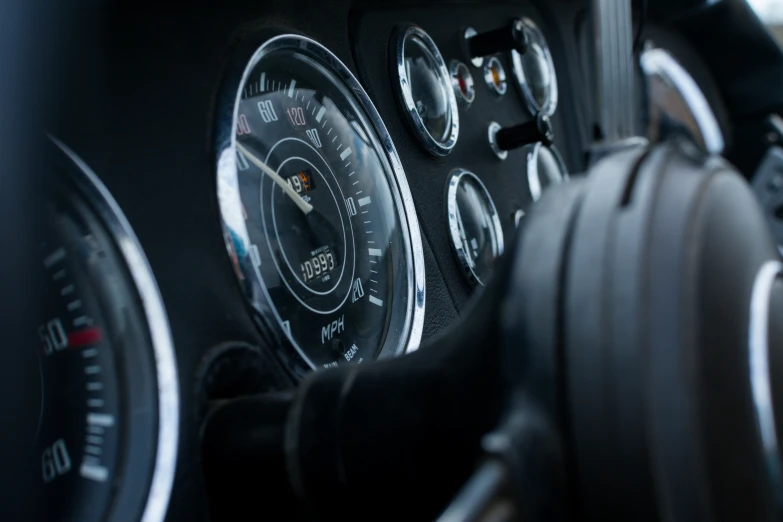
x=271, y=189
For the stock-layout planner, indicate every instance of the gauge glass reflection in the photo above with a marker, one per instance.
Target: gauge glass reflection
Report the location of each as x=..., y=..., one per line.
x=315, y=220
x=425, y=91
x=476, y=236
x=545, y=167
x=534, y=72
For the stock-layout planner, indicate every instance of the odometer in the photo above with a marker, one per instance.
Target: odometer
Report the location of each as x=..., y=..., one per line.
x=318, y=214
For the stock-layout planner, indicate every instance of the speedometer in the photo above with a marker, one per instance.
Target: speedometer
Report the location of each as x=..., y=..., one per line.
x=317, y=213
x=107, y=425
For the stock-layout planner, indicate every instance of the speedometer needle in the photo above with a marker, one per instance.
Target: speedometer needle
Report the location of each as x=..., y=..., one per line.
x=303, y=205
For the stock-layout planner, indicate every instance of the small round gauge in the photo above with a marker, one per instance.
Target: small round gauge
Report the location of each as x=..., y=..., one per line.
x=495, y=76
x=462, y=82
x=425, y=91
x=534, y=72
x=676, y=100
x=474, y=226
x=545, y=167
x=106, y=434
x=318, y=216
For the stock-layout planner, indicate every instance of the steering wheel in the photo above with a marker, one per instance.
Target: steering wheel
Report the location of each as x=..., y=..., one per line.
x=621, y=366
x=624, y=363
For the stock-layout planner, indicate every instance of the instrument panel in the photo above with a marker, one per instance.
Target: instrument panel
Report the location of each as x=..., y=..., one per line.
x=256, y=192
x=305, y=198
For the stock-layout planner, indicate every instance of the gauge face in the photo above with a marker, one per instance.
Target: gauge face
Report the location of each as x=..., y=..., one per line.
x=545, y=167
x=81, y=420
x=316, y=212
x=425, y=91
x=429, y=95
x=474, y=225
x=101, y=444
x=536, y=67
x=534, y=72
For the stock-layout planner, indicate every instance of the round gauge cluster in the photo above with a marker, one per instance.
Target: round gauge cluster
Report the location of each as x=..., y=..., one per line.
x=106, y=430
x=317, y=216
x=316, y=209
x=428, y=95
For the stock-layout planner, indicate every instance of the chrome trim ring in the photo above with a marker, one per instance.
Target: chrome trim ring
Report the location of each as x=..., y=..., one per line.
x=469, y=33
x=462, y=81
x=658, y=62
x=436, y=147
x=760, y=378
x=492, y=132
x=160, y=334
x=455, y=226
x=533, y=180
x=229, y=199
x=495, y=76
x=538, y=45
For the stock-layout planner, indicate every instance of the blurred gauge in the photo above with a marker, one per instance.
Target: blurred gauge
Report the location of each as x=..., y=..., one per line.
x=107, y=427
x=425, y=91
x=545, y=167
x=534, y=72
x=474, y=227
x=318, y=217
x=677, y=102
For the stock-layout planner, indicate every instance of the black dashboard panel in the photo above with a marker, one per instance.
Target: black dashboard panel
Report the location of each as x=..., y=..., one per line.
x=139, y=103
x=142, y=115
x=372, y=31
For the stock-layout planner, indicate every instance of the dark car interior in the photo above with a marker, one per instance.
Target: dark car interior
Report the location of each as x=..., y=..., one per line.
x=369, y=260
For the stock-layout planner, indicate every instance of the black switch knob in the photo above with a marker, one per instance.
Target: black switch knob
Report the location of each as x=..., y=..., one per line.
x=539, y=129
x=512, y=36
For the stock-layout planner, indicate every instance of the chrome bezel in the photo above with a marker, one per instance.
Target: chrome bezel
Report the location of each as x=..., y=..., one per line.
x=492, y=132
x=229, y=199
x=452, y=214
x=459, y=70
x=758, y=363
x=489, y=78
x=533, y=181
x=537, y=41
x=434, y=146
x=659, y=62
x=167, y=441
